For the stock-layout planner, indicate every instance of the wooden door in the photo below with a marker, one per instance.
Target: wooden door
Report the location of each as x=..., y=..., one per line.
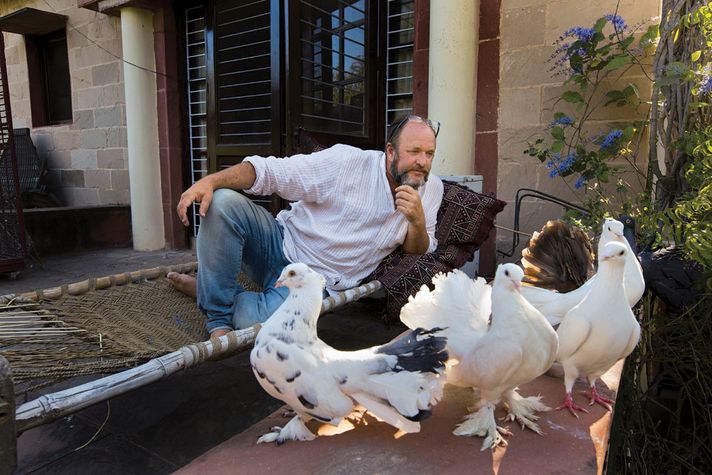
x=334, y=85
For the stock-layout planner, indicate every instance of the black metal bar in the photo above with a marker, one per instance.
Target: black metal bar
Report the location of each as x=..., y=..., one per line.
x=530, y=192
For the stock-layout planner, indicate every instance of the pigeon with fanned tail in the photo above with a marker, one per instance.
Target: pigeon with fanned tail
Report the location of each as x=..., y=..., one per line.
x=554, y=305
x=600, y=330
x=515, y=348
x=398, y=382
x=567, y=268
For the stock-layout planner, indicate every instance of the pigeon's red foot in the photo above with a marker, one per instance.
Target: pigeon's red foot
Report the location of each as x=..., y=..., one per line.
x=597, y=398
x=571, y=405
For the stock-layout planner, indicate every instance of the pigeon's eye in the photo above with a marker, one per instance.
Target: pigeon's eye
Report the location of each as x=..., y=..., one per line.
x=506, y=273
x=621, y=253
x=291, y=273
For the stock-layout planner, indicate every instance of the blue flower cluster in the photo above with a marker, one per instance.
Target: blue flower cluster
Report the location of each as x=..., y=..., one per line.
x=579, y=33
x=610, y=139
x=562, y=53
x=706, y=85
x=565, y=120
x=580, y=182
x=618, y=22
x=561, y=65
x=557, y=165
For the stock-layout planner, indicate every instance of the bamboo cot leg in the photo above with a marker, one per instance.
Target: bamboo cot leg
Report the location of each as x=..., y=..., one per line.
x=8, y=439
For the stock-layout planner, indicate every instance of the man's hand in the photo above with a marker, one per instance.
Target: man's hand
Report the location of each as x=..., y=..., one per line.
x=237, y=177
x=201, y=192
x=408, y=202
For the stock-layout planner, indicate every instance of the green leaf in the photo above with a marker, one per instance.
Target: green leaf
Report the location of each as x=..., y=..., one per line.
x=618, y=62
x=627, y=42
x=604, y=50
x=628, y=132
x=557, y=133
x=696, y=55
x=616, y=96
x=559, y=115
x=631, y=89
x=600, y=23
x=676, y=68
x=572, y=97
x=576, y=62
x=557, y=146
x=649, y=37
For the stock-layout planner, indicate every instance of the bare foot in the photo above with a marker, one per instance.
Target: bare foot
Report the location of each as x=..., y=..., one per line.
x=183, y=283
x=219, y=332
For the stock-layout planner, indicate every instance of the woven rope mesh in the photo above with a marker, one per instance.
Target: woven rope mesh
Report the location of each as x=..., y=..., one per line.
x=98, y=331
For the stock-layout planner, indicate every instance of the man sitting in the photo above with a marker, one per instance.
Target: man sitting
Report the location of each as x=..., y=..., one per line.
x=353, y=207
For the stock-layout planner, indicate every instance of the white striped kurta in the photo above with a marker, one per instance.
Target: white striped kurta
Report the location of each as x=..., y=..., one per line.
x=343, y=221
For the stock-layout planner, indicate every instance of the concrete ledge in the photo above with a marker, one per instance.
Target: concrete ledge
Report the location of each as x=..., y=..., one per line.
x=65, y=229
x=569, y=445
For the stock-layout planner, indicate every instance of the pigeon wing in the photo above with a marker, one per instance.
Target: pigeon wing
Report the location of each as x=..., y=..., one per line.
x=458, y=304
x=573, y=332
x=633, y=340
x=303, y=380
x=554, y=305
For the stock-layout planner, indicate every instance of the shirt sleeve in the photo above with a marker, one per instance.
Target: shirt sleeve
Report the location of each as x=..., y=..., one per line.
x=309, y=177
x=432, y=198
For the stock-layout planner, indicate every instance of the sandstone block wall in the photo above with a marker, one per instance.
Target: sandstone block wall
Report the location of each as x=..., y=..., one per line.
x=87, y=158
x=528, y=90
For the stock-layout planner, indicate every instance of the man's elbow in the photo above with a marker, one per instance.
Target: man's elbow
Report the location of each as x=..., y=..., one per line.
x=416, y=248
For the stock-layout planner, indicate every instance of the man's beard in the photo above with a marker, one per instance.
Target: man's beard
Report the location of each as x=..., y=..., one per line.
x=402, y=178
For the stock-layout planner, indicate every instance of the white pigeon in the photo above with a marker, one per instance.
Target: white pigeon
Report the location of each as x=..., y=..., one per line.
x=515, y=348
x=397, y=382
x=600, y=330
x=555, y=305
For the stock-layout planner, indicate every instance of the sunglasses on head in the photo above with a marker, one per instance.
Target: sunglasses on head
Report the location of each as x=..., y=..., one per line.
x=433, y=124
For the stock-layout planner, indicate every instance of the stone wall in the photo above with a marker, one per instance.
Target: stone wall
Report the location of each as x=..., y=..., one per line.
x=87, y=159
x=529, y=30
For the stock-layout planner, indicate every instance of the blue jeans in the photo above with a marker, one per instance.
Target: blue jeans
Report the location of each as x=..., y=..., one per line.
x=238, y=235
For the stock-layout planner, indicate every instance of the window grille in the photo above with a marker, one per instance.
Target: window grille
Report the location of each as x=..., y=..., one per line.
x=334, y=43
x=197, y=98
x=399, y=58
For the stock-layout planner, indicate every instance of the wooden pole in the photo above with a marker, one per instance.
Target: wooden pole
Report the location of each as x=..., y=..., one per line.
x=53, y=406
x=8, y=440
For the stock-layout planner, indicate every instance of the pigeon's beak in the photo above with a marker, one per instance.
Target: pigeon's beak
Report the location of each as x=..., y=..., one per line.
x=279, y=283
x=517, y=285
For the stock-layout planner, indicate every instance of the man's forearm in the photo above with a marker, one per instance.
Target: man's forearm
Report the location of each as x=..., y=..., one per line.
x=417, y=240
x=237, y=177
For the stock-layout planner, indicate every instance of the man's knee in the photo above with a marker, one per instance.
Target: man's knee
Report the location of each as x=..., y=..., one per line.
x=228, y=208
x=226, y=200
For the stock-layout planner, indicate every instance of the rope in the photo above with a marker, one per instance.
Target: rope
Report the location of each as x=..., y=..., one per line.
x=349, y=295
